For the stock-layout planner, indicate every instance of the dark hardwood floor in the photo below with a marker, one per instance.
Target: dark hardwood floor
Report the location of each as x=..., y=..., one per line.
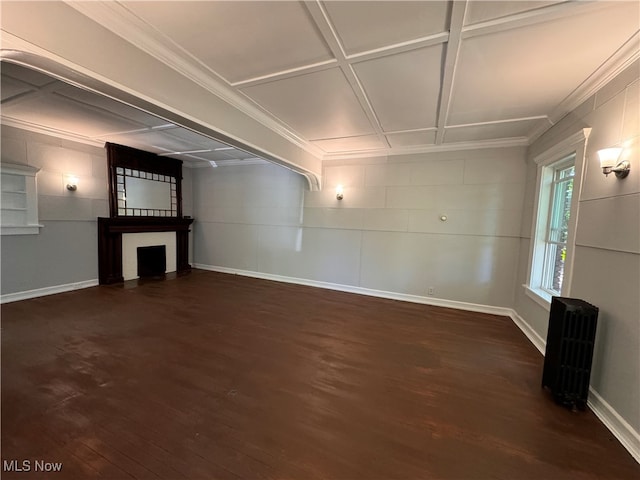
x=218, y=376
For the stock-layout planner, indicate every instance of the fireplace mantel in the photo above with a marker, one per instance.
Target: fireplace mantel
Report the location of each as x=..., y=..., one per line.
x=110, y=232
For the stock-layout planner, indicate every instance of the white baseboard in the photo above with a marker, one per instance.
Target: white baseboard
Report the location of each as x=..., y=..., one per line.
x=41, y=292
x=620, y=428
x=539, y=342
x=626, y=435
x=437, y=302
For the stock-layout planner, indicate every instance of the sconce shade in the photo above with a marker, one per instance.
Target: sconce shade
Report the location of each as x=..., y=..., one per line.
x=339, y=192
x=609, y=156
x=609, y=161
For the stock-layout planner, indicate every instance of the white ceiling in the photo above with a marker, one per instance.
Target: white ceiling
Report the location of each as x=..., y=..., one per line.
x=38, y=102
x=355, y=78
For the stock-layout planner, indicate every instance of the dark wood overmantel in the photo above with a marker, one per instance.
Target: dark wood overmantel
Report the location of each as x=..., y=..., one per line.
x=110, y=232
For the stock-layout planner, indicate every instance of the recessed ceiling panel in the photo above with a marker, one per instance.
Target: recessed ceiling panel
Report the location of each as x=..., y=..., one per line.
x=194, y=139
x=11, y=88
x=132, y=141
x=365, y=142
x=72, y=110
x=55, y=112
x=364, y=26
x=155, y=138
x=317, y=105
x=403, y=89
x=239, y=154
x=239, y=40
x=410, y=139
x=482, y=10
x=214, y=155
x=108, y=105
x=487, y=132
x=528, y=71
x=26, y=75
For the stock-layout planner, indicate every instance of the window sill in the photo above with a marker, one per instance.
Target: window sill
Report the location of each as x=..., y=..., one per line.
x=20, y=229
x=539, y=296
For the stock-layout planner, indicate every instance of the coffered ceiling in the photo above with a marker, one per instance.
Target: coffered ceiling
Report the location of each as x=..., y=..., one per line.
x=364, y=77
x=38, y=102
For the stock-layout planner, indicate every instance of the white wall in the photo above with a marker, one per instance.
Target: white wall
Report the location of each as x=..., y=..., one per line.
x=384, y=235
x=607, y=258
x=66, y=249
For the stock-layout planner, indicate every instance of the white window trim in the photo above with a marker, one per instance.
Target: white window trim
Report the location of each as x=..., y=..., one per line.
x=31, y=225
x=575, y=144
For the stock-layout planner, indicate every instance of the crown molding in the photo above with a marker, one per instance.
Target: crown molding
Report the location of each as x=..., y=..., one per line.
x=556, y=11
x=123, y=23
x=51, y=132
x=449, y=147
x=562, y=147
x=22, y=52
x=607, y=71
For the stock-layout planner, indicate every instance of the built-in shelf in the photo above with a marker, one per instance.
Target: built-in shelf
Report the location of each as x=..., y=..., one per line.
x=19, y=207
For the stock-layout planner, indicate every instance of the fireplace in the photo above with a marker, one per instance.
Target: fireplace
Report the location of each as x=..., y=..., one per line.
x=131, y=244
x=152, y=261
x=119, y=239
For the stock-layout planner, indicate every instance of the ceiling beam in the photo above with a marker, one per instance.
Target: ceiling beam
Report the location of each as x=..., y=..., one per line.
x=284, y=74
x=452, y=49
x=402, y=47
x=326, y=29
x=117, y=18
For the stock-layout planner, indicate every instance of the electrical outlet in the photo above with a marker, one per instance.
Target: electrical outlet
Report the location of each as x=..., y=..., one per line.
x=431, y=290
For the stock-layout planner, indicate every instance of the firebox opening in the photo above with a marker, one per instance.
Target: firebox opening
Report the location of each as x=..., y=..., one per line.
x=152, y=261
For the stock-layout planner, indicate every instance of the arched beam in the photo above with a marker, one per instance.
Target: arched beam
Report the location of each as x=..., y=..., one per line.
x=57, y=40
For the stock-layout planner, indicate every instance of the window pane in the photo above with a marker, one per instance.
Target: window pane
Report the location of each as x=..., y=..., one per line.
x=553, y=275
x=556, y=248
x=560, y=211
x=558, y=268
x=548, y=268
x=566, y=172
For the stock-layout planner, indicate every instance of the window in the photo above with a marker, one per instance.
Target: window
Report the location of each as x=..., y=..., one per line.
x=552, y=242
x=557, y=231
x=19, y=208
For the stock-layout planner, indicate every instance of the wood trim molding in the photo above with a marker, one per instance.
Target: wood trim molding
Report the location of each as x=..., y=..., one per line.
x=110, y=232
x=132, y=158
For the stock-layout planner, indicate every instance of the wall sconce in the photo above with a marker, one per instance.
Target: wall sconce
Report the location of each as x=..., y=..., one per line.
x=609, y=162
x=339, y=192
x=72, y=183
